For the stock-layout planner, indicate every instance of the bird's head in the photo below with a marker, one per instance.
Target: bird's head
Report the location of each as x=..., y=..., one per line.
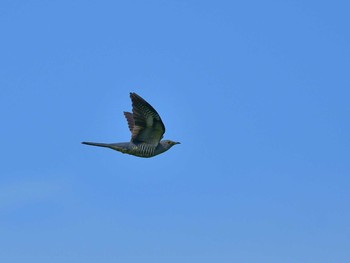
x=168, y=143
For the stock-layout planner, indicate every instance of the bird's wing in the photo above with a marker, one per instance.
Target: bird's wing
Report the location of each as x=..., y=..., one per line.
x=147, y=124
x=130, y=119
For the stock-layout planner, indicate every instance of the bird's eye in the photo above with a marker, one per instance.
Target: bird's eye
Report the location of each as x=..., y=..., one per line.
x=169, y=142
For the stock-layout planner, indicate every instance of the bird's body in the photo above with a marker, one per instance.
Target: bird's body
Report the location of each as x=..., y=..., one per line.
x=140, y=150
x=147, y=130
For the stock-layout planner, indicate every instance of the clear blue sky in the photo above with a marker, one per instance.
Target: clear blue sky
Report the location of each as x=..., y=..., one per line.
x=257, y=92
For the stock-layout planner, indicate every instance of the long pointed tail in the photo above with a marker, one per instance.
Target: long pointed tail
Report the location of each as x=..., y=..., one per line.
x=97, y=144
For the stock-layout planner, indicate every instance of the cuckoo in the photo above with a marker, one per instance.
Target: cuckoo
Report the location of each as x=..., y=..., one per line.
x=146, y=129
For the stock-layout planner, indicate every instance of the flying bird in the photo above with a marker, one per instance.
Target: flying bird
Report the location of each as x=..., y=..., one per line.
x=146, y=129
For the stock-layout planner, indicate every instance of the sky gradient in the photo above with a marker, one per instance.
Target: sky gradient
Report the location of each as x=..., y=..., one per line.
x=257, y=92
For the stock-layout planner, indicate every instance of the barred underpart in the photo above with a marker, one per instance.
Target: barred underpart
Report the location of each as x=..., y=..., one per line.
x=143, y=150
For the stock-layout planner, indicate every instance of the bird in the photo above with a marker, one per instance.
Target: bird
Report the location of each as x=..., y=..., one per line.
x=147, y=130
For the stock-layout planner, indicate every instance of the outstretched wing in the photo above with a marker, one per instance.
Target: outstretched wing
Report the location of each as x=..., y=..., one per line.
x=146, y=125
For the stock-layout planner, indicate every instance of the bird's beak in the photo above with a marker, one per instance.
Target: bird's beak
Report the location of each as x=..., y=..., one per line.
x=177, y=143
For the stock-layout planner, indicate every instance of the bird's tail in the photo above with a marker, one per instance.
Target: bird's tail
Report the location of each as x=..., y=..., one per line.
x=97, y=144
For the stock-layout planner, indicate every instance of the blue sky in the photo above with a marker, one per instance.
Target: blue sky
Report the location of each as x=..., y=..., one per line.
x=257, y=92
